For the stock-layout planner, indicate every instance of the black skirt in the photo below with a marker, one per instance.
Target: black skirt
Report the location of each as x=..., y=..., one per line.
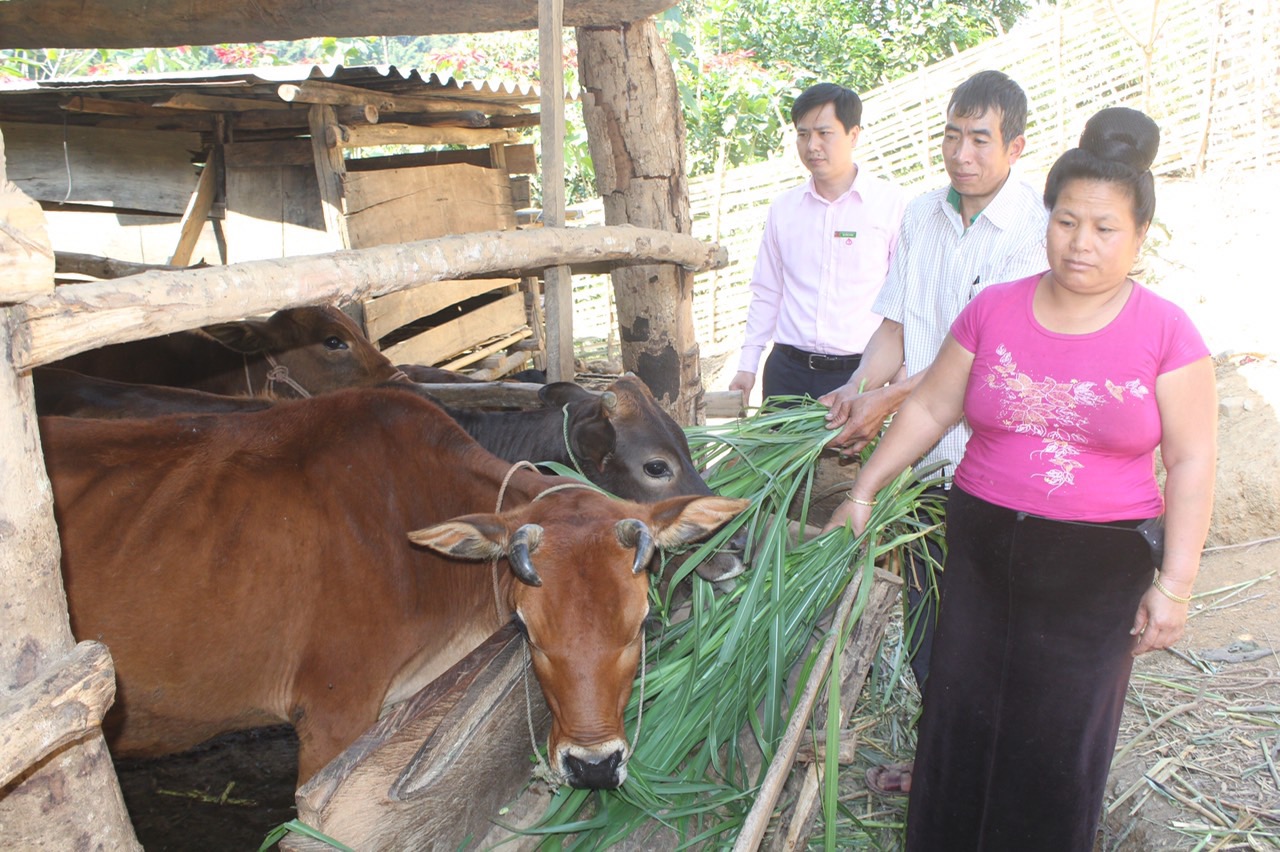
x=1031, y=662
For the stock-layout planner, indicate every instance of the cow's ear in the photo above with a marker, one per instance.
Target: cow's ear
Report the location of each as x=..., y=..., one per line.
x=563, y=393
x=681, y=520
x=247, y=337
x=472, y=537
x=591, y=433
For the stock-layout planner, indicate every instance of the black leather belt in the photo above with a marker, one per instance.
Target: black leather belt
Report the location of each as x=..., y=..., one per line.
x=814, y=361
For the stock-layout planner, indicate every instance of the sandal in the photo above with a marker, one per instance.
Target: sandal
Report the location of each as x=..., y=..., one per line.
x=891, y=779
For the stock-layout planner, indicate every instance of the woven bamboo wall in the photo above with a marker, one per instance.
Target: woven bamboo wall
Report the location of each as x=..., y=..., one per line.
x=1212, y=83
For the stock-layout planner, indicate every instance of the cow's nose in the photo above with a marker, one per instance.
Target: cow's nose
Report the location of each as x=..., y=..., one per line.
x=587, y=774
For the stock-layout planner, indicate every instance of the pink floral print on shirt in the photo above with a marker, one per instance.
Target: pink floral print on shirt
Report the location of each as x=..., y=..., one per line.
x=1055, y=411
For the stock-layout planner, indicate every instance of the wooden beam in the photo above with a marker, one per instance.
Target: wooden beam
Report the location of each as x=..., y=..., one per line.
x=215, y=103
x=197, y=212
x=337, y=94
x=165, y=23
x=330, y=171
x=85, y=316
x=26, y=257
x=95, y=266
x=409, y=134
x=57, y=708
x=485, y=351
x=558, y=280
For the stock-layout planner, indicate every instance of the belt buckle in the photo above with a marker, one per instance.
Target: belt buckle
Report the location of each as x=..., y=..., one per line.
x=813, y=355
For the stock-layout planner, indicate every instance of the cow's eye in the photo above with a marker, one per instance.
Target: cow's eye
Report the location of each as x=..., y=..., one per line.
x=657, y=468
x=333, y=343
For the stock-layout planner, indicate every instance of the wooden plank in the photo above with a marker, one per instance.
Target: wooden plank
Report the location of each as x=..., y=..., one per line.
x=486, y=394
x=197, y=212
x=330, y=173
x=479, y=353
x=387, y=313
x=438, y=344
x=111, y=168
x=558, y=281
x=282, y=152
x=403, y=205
x=86, y=316
x=60, y=706
x=274, y=212
x=521, y=159
x=434, y=772
x=388, y=133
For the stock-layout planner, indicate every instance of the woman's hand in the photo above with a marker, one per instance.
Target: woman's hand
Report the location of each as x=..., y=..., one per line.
x=849, y=512
x=1159, y=622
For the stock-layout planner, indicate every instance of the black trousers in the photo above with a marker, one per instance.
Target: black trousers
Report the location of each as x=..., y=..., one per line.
x=783, y=376
x=1030, y=667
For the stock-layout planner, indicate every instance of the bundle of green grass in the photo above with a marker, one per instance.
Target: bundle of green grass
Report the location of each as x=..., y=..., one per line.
x=719, y=667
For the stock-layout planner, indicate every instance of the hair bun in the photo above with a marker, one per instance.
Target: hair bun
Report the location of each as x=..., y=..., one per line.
x=1122, y=135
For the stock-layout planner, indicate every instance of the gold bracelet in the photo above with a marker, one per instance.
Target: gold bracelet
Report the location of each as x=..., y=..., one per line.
x=1168, y=594
x=860, y=502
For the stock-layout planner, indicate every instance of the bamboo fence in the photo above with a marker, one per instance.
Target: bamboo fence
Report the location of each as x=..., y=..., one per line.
x=1208, y=73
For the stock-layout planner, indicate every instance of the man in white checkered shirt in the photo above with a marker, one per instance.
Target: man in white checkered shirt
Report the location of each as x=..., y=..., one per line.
x=986, y=227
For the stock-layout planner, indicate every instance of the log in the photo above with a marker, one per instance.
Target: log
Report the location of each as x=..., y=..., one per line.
x=96, y=266
x=79, y=317
x=26, y=258
x=57, y=708
x=727, y=404
x=167, y=23
x=434, y=771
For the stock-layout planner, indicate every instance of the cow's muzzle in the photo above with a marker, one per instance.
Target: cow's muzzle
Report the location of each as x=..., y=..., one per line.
x=602, y=767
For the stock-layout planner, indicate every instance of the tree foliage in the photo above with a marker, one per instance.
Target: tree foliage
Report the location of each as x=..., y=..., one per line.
x=738, y=63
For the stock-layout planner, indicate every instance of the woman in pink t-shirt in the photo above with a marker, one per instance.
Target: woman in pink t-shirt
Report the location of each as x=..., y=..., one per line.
x=1064, y=559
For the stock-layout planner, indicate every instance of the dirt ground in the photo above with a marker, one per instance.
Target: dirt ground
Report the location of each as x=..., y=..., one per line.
x=1200, y=745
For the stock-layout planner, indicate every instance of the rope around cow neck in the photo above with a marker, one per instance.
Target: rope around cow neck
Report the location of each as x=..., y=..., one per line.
x=568, y=448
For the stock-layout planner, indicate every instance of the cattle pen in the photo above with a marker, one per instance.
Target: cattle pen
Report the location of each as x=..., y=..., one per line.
x=57, y=787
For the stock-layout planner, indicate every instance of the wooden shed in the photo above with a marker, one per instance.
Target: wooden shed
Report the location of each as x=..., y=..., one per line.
x=57, y=786
x=225, y=167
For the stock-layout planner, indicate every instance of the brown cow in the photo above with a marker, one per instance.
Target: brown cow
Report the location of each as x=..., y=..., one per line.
x=251, y=568
x=295, y=353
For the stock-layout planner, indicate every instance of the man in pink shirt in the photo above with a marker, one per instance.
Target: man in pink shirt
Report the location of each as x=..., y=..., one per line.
x=823, y=258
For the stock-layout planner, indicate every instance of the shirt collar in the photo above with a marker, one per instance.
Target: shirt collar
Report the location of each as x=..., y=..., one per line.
x=853, y=187
x=1003, y=208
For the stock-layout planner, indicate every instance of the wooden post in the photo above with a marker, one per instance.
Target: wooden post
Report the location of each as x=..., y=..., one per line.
x=71, y=794
x=636, y=134
x=197, y=212
x=559, y=283
x=330, y=170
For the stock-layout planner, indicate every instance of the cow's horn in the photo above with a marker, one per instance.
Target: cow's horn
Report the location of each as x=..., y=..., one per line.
x=609, y=400
x=633, y=533
x=524, y=541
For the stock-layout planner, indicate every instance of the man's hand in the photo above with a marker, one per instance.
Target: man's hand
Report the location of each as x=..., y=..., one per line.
x=858, y=416
x=744, y=382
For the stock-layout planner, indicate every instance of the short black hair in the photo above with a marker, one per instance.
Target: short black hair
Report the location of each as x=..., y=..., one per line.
x=1118, y=146
x=988, y=89
x=847, y=103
